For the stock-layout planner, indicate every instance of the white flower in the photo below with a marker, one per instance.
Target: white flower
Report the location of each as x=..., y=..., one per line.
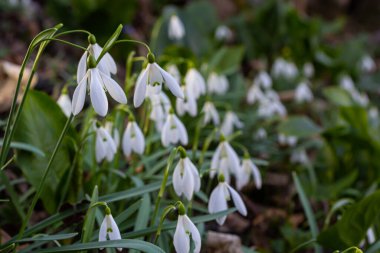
x=188, y=104
x=176, y=28
x=230, y=120
x=97, y=81
x=224, y=161
x=308, y=70
x=287, y=140
x=218, y=201
x=160, y=109
x=217, y=84
x=173, y=131
x=210, y=114
x=195, y=83
x=373, y=113
x=222, y=32
x=173, y=70
x=303, y=93
x=285, y=69
x=114, y=132
x=109, y=228
x=270, y=105
x=64, y=102
x=105, y=146
x=248, y=168
x=154, y=76
x=299, y=156
x=133, y=139
x=254, y=94
x=347, y=83
x=367, y=64
x=261, y=134
x=263, y=80
x=185, y=229
x=186, y=179
x=107, y=64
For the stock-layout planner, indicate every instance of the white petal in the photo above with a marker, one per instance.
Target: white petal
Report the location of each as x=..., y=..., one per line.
x=100, y=151
x=218, y=203
x=140, y=88
x=126, y=143
x=114, y=89
x=171, y=83
x=233, y=158
x=188, y=182
x=181, y=131
x=115, y=233
x=194, y=171
x=64, y=103
x=177, y=179
x=165, y=138
x=97, y=94
x=140, y=140
x=215, y=161
x=82, y=67
x=79, y=96
x=189, y=225
x=181, y=240
x=238, y=202
x=103, y=231
x=256, y=176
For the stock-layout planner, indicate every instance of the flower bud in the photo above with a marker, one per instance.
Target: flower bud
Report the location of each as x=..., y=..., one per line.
x=91, y=62
x=91, y=39
x=181, y=209
x=151, y=58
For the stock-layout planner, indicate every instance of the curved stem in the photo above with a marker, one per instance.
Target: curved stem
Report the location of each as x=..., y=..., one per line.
x=46, y=172
x=64, y=42
x=134, y=41
x=72, y=31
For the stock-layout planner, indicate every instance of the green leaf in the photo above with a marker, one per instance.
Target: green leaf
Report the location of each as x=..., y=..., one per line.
x=353, y=225
x=48, y=237
x=338, y=96
x=299, y=126
x=125, y=243
x=40, y=125
x=89, y=220
x=45, y=34
x=25, y=147
x=110, y=42
x=227, y=60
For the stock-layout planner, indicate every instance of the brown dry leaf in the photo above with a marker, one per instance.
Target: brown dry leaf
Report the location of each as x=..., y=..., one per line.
x=223, y=243
x=8, y=81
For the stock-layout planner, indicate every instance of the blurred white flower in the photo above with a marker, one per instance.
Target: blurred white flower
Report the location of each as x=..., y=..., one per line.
x=308, y=70
x=133, y=139
x=373, y=113
x=223, y=32
x=153, y=77
x=186, y=179
x=109, y=228
x=247, y=169
x=284, y=69
x=64, y=103
x=219, y=197
x=230, y=121
x=188, y=104
x=97, y=81
x=271, y=105
x=261, y=134
x=263, y=79
x=176, y=28
x=217, y=84
x=181, y=239
x=287, y=140
x=254, y=94
x=173, y=70
x=224, y=161
x=160, y=109
x=114, y=132
x=173, y=131
x=348, y=84
x=303, y=93
x=210, y=114
x=367, y=64
x=195, y=83
x=105, y=146
x=299, y=156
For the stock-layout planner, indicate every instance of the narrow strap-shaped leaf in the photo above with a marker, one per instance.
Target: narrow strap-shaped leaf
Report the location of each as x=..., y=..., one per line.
x=48, y=237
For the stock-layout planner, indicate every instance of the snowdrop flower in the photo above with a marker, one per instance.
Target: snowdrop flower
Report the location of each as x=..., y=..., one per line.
x=367, y=64
x=176, y=28
x=188, y=104
x=248, y=168
x=133, y=138
x=224, y=160
x=64, y=102
x=173, y=70
x=299, y=156
x=263, y=80
x=107, y=64
x=96, y=81
x=347, y=83
x=153, y=77
x=185, y=228
x=210, y=114
x=285, y=69
x=173, y=131
x=160, y=109
x=308, y=70
x=230, y=120
x=303, y=93
x=217, y=84
x=261, y=134
x=109, y=228
x=105, y=146
x=219, y=197
x=186, y=179
x=270, y=105
x=287, y=140
x=254, y=94
x=114, y=132
x=222, y=32
x=195, y=83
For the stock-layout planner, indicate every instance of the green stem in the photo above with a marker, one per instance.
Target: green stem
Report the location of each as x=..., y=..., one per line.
x=134, y=41
x=65, y=42
x=73, y=31
x=46, y=172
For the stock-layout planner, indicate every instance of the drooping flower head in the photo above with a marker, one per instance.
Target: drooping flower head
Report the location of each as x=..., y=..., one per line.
x=263, y=80
x=153, y=76
x=186, y=228
x=114, y=132
x=217, y=84
x=173, y=131
x=210, y=114
x=308, y=70
x=186, y=178
x=303, y=93
x=133, y=138
x=187, y=104
x=109, y=229
x=195, y=83
x=105, y=146
x=230, y=121
x=247, y=169
x=219, y=197
x=223, y=33
x=160, y=109
x=64, y=103
x=176, y=28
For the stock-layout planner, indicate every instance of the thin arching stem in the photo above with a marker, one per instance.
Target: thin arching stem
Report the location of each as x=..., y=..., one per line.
x=134, y=41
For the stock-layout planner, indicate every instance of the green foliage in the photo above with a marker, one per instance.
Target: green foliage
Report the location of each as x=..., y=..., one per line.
x=299, y=126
